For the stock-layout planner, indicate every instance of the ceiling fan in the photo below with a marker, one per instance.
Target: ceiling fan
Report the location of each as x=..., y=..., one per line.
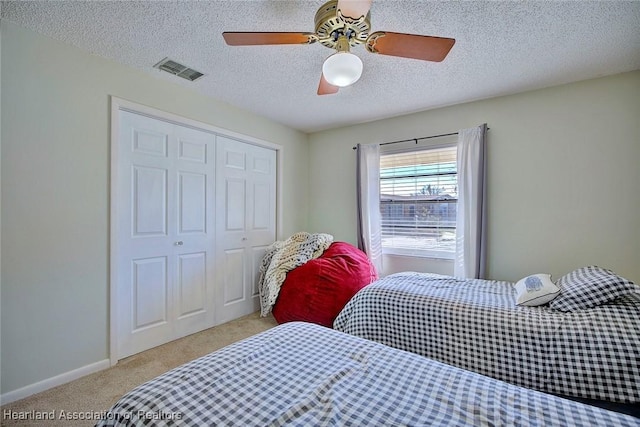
x=340, y=25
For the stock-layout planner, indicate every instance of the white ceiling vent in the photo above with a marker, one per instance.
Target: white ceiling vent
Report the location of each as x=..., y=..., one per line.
x=175, y=68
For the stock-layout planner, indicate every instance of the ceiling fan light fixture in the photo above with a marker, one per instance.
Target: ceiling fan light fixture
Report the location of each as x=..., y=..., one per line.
x=342, y=69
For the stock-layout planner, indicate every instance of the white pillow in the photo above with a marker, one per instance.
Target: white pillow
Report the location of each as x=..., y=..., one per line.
x=537, y=289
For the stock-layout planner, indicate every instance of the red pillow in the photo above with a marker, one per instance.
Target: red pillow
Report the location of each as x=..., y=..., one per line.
x=318, y=290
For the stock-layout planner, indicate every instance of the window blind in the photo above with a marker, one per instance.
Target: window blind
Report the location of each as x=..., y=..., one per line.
x=418, y=200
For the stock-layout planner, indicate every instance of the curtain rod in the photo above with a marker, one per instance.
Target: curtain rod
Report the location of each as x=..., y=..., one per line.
x=417, y=139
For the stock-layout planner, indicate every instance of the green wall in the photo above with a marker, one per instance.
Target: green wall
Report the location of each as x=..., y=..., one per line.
x=563, y=175
x=55, y=195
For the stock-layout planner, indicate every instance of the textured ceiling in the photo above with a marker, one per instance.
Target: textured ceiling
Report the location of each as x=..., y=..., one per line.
x=501, y=48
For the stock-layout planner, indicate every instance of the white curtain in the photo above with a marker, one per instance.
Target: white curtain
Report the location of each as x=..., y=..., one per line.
x=471, y=217
x=368, y=203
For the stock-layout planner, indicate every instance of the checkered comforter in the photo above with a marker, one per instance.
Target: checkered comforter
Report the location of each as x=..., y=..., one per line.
x=308, y=375
x=475, y=325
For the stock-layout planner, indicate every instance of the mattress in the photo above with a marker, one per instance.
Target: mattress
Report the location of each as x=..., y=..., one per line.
x=303, y=374
x=476, y=325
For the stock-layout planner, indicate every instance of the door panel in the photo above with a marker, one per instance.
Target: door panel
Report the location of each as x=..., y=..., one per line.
x=234, y=159
x=149, y=292
x=166, y=232
x=192, y=195
x=245, y=184
x=257, y=253
x=149, y=142
x=234, y=209
x=192, y=280
x=195, y=151
x=149, y=201
x=262, y=206
x=262, y=164
x=233, y=277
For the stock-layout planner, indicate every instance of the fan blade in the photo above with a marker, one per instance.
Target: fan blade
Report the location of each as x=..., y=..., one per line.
x=354, y=9
x=427, y=48
x=252, y=39
x=326, y=88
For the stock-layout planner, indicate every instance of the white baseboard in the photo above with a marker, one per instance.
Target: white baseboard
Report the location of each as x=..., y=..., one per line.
x=43, y=385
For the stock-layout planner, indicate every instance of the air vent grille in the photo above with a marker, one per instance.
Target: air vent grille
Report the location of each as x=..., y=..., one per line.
x=177, y=69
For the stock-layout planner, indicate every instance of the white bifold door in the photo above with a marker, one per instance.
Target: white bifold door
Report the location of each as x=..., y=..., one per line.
x=245, y=226
x=189, y=237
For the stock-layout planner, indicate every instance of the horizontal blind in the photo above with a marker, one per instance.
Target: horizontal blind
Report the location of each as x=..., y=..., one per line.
x=418, y=200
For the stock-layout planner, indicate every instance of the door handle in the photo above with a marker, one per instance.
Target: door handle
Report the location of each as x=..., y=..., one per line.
x=179, y=243
x=244, y=238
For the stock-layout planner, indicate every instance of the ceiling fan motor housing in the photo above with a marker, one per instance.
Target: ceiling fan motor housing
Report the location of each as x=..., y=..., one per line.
x=330, y=25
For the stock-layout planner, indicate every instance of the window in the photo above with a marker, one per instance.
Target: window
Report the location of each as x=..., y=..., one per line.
x=418, y=200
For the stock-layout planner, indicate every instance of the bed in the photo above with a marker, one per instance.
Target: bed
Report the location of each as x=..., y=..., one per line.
x=309, y=375
x=476, y=325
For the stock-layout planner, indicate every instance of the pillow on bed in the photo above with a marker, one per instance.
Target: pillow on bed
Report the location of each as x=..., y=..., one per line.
x=588, y=287
x=537, y=289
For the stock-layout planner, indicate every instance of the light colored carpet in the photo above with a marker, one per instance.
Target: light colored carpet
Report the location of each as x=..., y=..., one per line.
x=97, y=392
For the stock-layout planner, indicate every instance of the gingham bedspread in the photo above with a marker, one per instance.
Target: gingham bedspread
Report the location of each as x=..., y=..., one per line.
x=476, y=325
x=308, y=375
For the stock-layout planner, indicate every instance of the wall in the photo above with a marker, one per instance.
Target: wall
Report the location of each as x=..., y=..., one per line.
x=563, y=175
x=55, y=195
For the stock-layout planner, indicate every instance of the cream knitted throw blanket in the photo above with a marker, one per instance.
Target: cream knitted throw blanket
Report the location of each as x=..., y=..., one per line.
x=282, y=257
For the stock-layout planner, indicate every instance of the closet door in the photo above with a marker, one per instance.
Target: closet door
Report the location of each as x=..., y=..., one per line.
x=245, y=225
x=165, y=279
